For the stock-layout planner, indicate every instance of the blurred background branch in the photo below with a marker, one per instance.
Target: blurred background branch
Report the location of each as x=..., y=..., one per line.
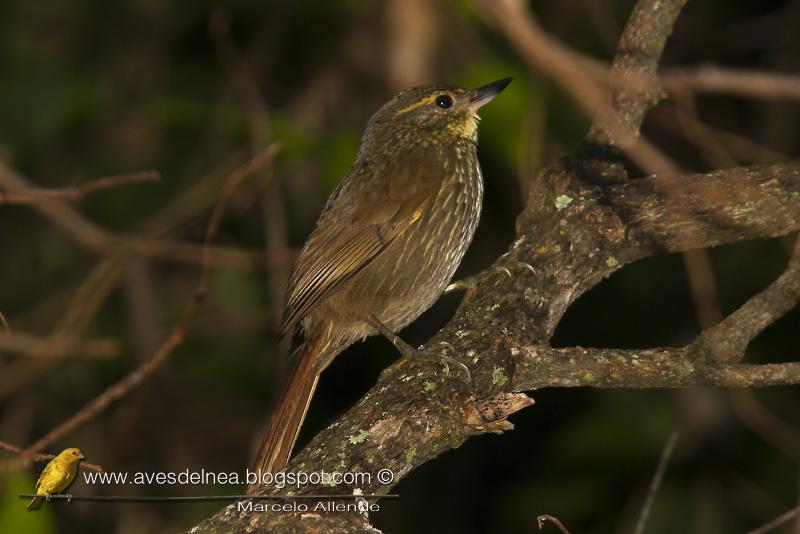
x=176, y=335
x=78, y=191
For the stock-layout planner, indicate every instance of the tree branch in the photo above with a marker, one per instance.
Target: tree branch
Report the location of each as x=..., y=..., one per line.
x=727, y=341
x=677, y=213
x=672, y=367
x=638, y=52
x=412, y=414
x=575, y=230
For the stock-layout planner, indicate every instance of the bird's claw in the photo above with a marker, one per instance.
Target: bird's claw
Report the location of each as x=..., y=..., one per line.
x=408, y=352
x=47, y=496
x=469, y=283
x=438, y=357
x=69, y=497
x=458, y=363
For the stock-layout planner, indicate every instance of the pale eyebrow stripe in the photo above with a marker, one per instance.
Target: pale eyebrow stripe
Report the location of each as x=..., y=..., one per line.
x=415, y=105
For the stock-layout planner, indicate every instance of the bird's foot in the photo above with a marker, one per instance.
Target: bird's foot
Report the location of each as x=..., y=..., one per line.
x=410, y=353
x=437, y=357
x=47, y=496
x=69, y=497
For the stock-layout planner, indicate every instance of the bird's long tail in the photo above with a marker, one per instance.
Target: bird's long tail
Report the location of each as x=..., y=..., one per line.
x=35, y=503
x=284, y=426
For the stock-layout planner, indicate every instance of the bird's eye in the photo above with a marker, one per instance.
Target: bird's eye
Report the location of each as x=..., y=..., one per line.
x=444, y=101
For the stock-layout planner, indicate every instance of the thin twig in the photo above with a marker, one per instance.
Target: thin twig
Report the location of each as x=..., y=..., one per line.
x=714, y=79
x=79, y=191
x=84, y=304
x=38, y=457
x=91, y=236
x=702, y=287
x=5, y=324
x=655, y=484
x=797, y=520
x=176, y=335
x=221, y=256
x=61, y=213
x=778, y=521
x=272, y=208
x=720, y=146
x=55, y=346
x=94, y=290
x=544, y=518
x=761, y=420
x=700, y=79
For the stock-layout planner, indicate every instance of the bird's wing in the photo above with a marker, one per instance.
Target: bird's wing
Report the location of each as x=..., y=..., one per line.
x=344, y=251
x=48, y=480
x=358, y=223
x=56, y=476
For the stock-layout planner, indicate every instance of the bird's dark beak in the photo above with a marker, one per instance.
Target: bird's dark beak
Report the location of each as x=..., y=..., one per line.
x=484, y=94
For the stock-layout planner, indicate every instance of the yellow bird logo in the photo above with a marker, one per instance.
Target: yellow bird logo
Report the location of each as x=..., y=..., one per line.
x=57, y=475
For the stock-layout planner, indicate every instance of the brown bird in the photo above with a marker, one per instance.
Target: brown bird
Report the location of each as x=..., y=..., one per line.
x=387, y=242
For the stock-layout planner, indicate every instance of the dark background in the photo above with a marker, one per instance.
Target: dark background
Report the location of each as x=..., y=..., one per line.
x=91, y=88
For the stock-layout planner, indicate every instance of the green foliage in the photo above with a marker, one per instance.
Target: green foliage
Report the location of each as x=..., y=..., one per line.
x=13, y=515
